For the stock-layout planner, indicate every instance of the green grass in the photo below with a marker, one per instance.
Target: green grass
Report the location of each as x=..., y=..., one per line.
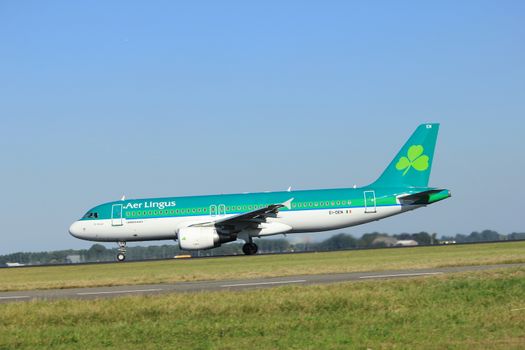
x=258, y=266
x=461, y=311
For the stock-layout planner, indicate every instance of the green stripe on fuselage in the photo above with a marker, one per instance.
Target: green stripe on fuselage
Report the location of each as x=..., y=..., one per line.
x=245, y=202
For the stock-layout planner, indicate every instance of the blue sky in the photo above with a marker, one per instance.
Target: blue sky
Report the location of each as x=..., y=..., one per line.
x=105, y=98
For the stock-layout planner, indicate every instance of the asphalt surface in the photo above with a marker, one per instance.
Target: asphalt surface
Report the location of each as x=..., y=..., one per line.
x=203, y=286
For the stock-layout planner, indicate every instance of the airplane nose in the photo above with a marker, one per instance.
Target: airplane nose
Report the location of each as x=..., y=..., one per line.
x=76, y=230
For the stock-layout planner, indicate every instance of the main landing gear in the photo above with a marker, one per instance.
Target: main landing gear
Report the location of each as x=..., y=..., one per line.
x=121, y=256
x=249, y=248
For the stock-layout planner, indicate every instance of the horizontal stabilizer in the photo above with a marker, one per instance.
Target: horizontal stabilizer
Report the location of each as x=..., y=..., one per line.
x=425, y=197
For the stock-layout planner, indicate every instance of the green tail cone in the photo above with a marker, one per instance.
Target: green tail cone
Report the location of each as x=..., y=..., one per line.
x=412, y=165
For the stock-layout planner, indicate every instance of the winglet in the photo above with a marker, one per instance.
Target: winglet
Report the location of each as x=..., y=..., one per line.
x=288, y=203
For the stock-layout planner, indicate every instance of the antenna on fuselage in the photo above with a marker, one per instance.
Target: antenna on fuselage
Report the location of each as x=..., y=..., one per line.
x=123, y=198
x=289, y=189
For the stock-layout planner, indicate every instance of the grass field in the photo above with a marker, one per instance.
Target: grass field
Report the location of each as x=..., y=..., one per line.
x=482, y=310
x=258, y=266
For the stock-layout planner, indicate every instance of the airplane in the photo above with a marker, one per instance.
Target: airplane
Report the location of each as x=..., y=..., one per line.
x=14, y=264
x=206, y=222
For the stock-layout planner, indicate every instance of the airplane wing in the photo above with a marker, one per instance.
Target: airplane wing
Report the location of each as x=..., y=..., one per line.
x=254, y=216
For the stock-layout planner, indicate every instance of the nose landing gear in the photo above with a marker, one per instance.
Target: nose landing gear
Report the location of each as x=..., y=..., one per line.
x=121, y=256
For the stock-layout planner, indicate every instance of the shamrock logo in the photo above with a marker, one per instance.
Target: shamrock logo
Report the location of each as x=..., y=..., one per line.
x=414, y=159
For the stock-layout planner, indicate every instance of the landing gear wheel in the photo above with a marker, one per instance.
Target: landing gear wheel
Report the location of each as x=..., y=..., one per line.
x=249, y=248
x=121, y=256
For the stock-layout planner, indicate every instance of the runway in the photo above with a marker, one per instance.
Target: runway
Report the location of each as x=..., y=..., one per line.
x=203, y=286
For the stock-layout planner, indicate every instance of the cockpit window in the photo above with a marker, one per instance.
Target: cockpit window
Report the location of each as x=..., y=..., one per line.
x=91, y=215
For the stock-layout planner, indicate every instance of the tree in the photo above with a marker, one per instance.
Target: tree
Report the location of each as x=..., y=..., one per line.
x=489, y=235
x=340, y=241
x=367, y=240
x=422, y=238
x=96, y=252
x=516, y=236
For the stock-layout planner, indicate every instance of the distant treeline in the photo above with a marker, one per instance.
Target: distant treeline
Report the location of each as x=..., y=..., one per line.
x=98, y=252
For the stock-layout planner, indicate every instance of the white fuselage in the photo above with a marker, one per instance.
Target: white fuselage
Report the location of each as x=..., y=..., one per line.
x=296, y=221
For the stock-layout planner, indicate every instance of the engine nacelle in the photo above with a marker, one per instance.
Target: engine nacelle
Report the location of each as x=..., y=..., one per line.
x=195, y=238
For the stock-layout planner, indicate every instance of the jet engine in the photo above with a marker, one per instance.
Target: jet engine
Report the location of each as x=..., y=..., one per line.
x=195, y=238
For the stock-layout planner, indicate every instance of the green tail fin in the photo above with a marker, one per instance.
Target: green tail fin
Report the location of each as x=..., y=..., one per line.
x=411, y=166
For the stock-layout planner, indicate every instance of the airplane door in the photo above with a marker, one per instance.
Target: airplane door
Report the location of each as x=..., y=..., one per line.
x=222, y=209
x=213, y=210
x=116, y=215
x=370, y=201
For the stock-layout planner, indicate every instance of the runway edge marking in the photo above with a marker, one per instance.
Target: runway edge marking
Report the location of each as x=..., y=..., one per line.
x=402, y=275
x=261, y=283
x=122, y=291
x=15, y=297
